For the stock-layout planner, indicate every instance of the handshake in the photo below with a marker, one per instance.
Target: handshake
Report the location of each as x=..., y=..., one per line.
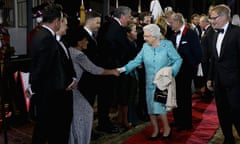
x=121, y=70
x=115, y=72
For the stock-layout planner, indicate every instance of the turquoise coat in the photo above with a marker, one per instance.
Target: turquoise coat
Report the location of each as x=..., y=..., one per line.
x=154, y=59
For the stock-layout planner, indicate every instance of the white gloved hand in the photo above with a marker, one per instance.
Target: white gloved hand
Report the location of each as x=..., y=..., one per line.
x=121, y=70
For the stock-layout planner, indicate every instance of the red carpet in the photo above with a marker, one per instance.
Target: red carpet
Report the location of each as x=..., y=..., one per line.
x=205, y=123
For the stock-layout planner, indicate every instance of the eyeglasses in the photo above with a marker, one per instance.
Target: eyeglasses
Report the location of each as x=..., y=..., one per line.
x=214, y=18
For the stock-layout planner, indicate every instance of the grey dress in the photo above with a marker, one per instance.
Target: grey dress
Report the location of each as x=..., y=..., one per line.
x=81, y=126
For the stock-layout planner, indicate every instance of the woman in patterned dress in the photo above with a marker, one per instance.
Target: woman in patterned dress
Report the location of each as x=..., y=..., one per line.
x=81, y=126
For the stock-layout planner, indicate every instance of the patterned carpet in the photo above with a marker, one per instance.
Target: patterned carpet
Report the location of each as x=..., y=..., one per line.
x=204, y=120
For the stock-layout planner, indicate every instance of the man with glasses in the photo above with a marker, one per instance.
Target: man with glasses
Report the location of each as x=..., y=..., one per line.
x=224, y=74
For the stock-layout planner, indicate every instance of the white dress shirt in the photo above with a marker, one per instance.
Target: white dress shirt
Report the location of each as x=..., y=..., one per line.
x=220, y=39
x=179, y=36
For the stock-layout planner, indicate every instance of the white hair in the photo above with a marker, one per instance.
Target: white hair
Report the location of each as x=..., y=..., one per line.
x=154, y=30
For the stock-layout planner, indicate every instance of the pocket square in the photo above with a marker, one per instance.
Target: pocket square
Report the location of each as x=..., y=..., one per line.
x=184, y=42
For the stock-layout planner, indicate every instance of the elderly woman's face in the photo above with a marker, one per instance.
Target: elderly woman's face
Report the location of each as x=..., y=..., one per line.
x=148, y=37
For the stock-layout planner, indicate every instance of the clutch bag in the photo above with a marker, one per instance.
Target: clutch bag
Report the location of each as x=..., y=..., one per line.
x=160, y=95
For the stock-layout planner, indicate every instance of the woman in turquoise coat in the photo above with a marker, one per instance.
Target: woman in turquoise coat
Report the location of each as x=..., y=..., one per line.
x=155, y=54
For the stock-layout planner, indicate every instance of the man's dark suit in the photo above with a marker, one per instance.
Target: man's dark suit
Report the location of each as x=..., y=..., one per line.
x=190, y=51
x=225, y=72
x=88, y=84
x=65, y=98
x=206, y=45
x=169, y=33
x=48, y=80
x=112, y=42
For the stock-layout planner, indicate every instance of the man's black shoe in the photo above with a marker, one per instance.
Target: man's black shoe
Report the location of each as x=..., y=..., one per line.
x=112, y=129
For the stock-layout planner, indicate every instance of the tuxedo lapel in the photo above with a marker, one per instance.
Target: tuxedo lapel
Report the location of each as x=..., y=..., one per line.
x=174, y=40
x=93, y=37
x=90, y=37
x=204, y=33
x=63, y=53
x=225, y=39
x=215, y=35
x=182, y=41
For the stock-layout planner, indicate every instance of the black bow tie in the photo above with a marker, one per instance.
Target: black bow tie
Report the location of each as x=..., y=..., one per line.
x=220, y=30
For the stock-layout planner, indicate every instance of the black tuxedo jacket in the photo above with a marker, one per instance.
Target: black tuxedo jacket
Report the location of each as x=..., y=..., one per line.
x=66, y=71
x=88, y=84
x=225, y=69
x=92, y=49
x=45, y=57
x=199, y=33
x=51, y=73
x=189, y=47
x=207, y=46
x=113, y=45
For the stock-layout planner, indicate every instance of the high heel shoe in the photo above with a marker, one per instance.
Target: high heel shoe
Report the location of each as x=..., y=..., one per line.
x=154, y=138
x=168, y=136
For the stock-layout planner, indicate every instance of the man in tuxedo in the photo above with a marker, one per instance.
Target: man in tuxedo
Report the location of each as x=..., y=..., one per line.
x=188, y=46
x=224, y=73
x=88, y=84
x=195, y=24
x=65, y=95
x=113, y=44
x=198, y=78
x=206, y=45
x=51, y=84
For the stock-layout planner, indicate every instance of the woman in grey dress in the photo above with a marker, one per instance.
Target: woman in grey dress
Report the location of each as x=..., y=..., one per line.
x=81, y=126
